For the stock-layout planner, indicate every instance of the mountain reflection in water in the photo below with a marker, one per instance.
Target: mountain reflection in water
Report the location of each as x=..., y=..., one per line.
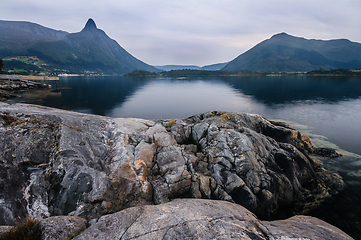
x=331, y=106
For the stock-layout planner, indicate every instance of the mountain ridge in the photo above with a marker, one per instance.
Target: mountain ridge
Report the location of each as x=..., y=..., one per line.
x=90, y=50
x=284, y=52
x=212, y=67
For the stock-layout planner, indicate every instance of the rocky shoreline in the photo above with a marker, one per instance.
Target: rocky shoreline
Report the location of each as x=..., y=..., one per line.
x=11, y=84
x=61, y=163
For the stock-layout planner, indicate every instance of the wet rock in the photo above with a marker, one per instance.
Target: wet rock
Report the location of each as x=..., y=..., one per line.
x=327, y=152
x=4, y=95
x=204, y=219
x=12, y=83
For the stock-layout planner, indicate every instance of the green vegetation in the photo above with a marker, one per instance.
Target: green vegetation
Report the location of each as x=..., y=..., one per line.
x=1, y=65
x=22, y=231
x=29, y=65
x=76, y=233
x=286, y=53
x=22, y=65
x=171, y=122
x=140, y=73
x=340, y=71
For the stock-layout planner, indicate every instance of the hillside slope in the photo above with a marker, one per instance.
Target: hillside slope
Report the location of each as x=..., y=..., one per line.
x=89, y=50
x=283, y=52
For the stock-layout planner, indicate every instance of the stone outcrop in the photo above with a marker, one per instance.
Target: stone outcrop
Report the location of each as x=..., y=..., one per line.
x=56, y=162
x=9, y=84
x=59, y=227
x=204, y=219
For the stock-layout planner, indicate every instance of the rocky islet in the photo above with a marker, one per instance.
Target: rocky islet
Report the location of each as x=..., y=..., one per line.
x=11, y=84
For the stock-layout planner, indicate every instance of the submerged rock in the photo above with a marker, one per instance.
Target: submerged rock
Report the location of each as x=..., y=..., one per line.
x=327, y=152
x=56, y=162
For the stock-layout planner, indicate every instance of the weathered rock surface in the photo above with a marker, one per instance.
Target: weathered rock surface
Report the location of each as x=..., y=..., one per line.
x=59, y=227
x=204, y=219
x=56, y=162
x=5, y=229
x=326, y=152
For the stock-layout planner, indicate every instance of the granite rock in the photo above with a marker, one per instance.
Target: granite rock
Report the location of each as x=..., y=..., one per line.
x=56, y=162
x=204, y=219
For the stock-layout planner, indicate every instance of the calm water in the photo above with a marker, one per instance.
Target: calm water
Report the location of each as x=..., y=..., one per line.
x=327, y=108
x=330, y=106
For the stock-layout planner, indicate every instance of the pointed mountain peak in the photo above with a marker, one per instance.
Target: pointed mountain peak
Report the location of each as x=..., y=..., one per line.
x=90, y=24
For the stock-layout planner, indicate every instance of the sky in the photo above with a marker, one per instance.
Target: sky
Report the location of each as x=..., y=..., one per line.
x=193, y=32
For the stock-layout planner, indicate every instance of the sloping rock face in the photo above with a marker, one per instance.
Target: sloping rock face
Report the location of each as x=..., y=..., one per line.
x=58, y=227
x=204, y=219
x=56, y=162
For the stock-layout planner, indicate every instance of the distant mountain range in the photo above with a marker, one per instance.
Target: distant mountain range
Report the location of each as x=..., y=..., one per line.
x=213, y=67
x=90, y=50
x=283, y=52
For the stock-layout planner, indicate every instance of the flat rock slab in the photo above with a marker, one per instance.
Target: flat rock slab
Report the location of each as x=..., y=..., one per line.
x=204, y=219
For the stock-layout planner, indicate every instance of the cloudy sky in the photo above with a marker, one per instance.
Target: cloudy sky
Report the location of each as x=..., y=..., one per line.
x=197, y=32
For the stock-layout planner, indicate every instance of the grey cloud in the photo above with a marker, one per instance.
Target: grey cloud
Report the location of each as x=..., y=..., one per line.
x=194, y=32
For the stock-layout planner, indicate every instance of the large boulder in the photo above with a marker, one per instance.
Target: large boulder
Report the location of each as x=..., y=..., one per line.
x=56, y=162
x=204, y=219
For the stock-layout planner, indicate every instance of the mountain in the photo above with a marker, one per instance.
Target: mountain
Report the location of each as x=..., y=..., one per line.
x=88, y=50
x=177, y=67
x=213, y=67
x=283, y=52
x=17, y=37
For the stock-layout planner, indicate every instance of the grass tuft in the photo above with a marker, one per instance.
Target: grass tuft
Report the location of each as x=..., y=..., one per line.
x=8, y=119
x=22, y=231
x=76, y=233
x=171, y=122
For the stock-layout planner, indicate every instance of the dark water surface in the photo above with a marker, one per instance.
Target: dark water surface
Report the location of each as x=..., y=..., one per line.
x=326, y=108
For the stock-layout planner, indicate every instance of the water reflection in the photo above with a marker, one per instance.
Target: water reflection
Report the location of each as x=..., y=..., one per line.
x=285, y=89
x=330, y=105
x=167, y=98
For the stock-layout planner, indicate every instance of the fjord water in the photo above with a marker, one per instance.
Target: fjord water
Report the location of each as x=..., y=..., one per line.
x=326, y=108
x=329, y=106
